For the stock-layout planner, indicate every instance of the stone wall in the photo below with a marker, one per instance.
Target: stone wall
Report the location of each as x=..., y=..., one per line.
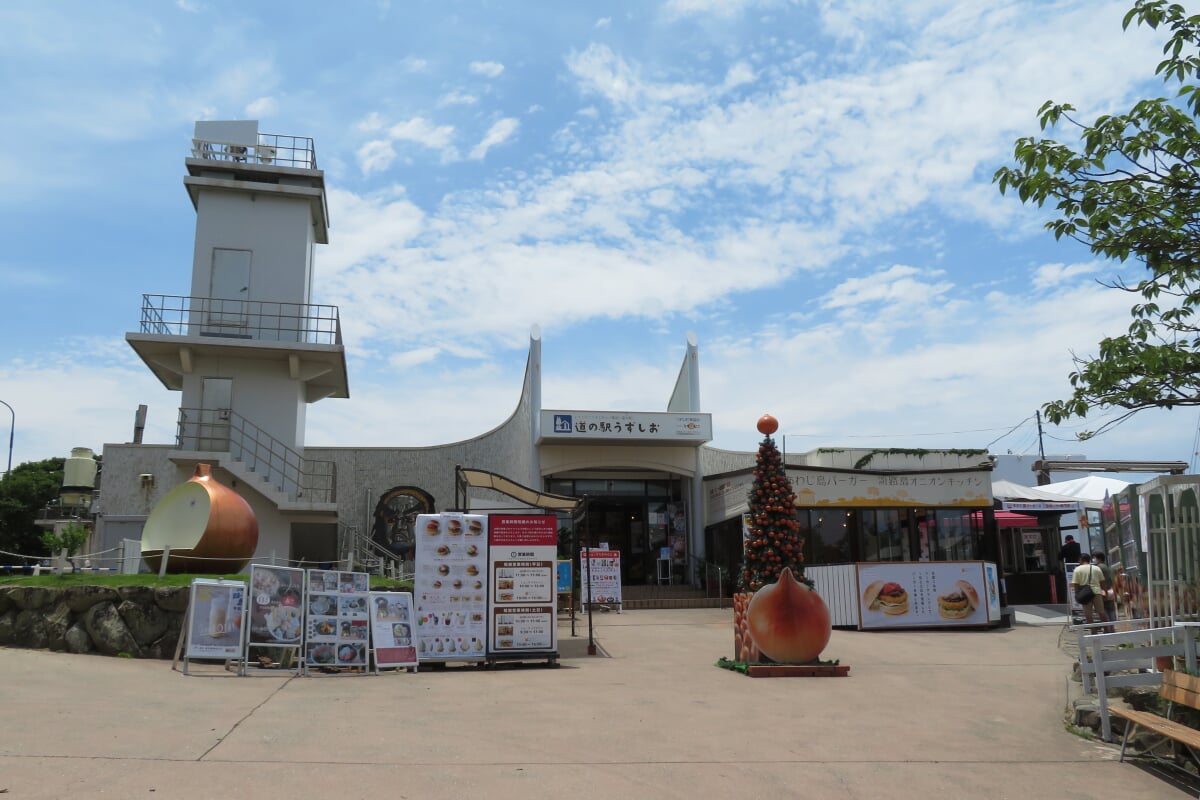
x=131, y=621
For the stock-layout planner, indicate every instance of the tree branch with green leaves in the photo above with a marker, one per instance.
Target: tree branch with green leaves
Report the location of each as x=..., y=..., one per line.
x=1129, y=189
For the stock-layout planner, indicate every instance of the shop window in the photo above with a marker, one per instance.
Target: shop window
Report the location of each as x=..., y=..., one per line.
x=881, y=537
x=831, y=534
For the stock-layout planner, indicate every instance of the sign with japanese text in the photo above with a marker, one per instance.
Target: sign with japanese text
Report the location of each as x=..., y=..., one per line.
x=821, y=488
x=663, y=427
x=216, y=618
x=392, y=620
x=916, y=594
x=600, y=575
x=276, y=610
x=523, y=568
x=337, y=623
x=450, y=586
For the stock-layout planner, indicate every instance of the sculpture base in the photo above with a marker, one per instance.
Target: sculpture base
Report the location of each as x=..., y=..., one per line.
x=798, y=670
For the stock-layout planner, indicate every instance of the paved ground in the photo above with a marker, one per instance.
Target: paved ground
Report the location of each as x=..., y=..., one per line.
x=922, y=715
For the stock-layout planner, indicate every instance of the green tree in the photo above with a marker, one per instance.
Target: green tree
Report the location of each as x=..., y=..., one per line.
x=774, y=539
x=70, y=538
x=1130, y=189
x=24, y=492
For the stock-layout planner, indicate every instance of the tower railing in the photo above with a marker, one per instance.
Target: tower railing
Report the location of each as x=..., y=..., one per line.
x=272, y=149
x=222, y=430
x=177, y=315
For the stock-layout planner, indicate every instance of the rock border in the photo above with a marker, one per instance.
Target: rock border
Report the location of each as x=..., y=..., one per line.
x=129, y=621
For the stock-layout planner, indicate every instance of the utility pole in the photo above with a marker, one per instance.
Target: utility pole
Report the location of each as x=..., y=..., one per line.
x=1043, y=474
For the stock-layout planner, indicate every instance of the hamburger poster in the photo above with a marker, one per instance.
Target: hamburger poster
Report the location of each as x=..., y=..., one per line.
x=925, y=594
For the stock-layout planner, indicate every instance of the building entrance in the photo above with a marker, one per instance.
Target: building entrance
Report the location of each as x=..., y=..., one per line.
x=638, y=518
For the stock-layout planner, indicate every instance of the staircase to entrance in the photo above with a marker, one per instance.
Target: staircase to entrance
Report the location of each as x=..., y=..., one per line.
x=676, y=596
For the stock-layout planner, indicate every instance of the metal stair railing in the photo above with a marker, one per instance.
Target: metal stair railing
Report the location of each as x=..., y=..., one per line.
x=359, y=550
x=223, y=430
x=713, y=577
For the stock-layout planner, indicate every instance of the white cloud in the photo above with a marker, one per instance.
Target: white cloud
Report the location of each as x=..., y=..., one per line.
x=375, y=156
x=603, y=22
x=422, y=132
x=1051, y=275
x=457, y=98
x=719, y=8
x=488, y=69
x=499, y=133
x=370, y=123
x=739, y=74
x=262, y=107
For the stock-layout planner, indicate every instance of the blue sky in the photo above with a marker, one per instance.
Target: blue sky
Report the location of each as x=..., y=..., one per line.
x=805, y=185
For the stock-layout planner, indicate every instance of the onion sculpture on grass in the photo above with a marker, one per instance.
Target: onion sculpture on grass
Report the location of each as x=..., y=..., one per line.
x=788, y=621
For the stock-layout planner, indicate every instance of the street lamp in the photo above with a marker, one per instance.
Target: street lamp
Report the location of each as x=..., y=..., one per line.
x=11, y=429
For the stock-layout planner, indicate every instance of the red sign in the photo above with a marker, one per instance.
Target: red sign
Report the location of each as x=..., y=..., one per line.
x=508, y=531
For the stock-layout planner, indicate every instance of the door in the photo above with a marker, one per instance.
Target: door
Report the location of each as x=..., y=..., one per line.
x=216, y=400
x=229, y=288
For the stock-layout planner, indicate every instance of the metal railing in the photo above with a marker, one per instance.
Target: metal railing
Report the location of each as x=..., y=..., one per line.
x=260, y=320
x=709, y=576
x=360, y=551
x=222, y=430
x=272, y=149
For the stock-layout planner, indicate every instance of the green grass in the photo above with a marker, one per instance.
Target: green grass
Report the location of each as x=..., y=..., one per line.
x=89, y=579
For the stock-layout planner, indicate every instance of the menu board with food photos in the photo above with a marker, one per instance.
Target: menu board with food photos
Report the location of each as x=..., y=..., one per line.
x=522, y=563
x=450, y=586
x=216, y=619
x=915, y=594
x=337, y=622
x=392, y=620
x=276, y=610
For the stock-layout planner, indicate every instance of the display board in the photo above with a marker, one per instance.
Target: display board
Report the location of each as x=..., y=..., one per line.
x=276, y=610
x=392, y=620
x=522, y=567
x=910, y=594
x=450, y=587
x=216, y=620
x=600, y=575
x=337, y=621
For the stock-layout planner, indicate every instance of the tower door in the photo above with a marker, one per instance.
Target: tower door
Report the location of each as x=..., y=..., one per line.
x=229, y=288
x=216, y=400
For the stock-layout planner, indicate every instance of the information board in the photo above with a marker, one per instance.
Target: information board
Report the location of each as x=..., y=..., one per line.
x=337, y=622
x=450, y=589
x=276, y=613
x=216, y=619
x=522, y=567
x=392, y=621
x=600, y=575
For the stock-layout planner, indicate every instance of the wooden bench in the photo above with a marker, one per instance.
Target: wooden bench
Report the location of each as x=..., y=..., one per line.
x=1176, y=688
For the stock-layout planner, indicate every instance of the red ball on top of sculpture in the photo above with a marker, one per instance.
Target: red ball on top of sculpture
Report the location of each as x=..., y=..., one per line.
x=767, y=424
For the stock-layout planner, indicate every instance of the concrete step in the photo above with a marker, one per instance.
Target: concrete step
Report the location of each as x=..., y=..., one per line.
x=678, y=602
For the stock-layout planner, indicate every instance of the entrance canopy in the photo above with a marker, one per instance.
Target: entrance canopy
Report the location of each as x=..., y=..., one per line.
x=482, y=479
x=1008, y=519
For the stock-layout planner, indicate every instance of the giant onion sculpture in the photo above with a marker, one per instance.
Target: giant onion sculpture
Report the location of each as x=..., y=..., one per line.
x=208, y=527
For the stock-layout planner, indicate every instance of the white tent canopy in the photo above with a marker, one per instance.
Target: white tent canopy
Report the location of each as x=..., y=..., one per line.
x=1089, y=490
x=1009, y=492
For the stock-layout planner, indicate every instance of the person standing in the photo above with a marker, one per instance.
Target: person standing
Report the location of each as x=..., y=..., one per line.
x=1109, y=596
x=1069, y=554
x=1088, y=591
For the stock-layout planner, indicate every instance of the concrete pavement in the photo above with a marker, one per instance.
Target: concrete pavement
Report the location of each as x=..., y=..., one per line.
x=973, y=714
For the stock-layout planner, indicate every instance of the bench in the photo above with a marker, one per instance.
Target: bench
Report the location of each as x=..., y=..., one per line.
x=1112, y=660
x=1176, y=688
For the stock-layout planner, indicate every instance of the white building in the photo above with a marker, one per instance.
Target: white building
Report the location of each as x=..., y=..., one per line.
x=248, y=352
